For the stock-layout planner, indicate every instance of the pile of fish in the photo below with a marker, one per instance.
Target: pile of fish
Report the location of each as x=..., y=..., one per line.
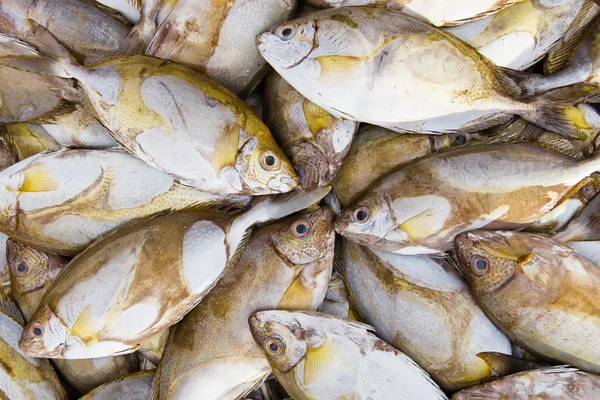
x=305, y=199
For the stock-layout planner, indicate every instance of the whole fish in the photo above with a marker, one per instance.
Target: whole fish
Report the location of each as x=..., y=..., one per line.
x=177, y=120
x=421, y=207
x=548, y=383
x=520, y=35
x=152, y=13
x=436, y=12
x=538, y=291
x=143, y=278
x=313, y=140
x=382, y=67
x=61, y=201
x=217, y=37
x=422, y=307
x=319, y=356
x=337, y=301
x=285, y=265
x=26, y=140
x=22, y=377
x=131, y=387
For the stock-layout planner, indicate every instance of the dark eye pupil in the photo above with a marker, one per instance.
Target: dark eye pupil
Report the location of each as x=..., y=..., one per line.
x=461, y=139
x=481, y=265
x=270, y=161
x=287, y=32
x=21, y=268
x=274, y=346
x=361, y=215
x=37, y=331
x=301, y=229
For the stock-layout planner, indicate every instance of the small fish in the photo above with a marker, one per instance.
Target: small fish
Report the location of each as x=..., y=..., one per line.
x=421, y=207
x=144, y=277
x=217, y=37
x=152, y=13
x=548, y=383
x=285, y=265
x=382, y=67
x=131, y=387
x=337, y=301
x=314, y=140
x=436, y=12
x=521, y=35
x=319, y=356
x=61, y=201
x=539, y=292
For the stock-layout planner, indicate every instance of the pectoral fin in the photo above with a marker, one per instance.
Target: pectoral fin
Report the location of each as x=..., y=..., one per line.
x=226, y=148
x=38, y=179
x=420, y=226
x=85, y=325
x=338, y=69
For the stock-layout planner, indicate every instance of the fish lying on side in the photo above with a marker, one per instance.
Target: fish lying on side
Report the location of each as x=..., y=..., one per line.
x=319, y=356
x=131, y=387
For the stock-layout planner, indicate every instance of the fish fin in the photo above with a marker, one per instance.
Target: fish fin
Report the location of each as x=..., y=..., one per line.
x=155, y=389
x=487, y=122
x=420, y=226
x=85, y=325
x=238, y=251
x=110, y=11
x=297, y=296
x=317, y=361
x=573, y=148
x=504, y=364
x=226, y=149
x=507, y=78
x=473, y=372
x=37, y=178
x=139, y=37
x=586, y=226
x=60, y=109
x=99, y=58
x=338, y=69
x=554, y=110
x=573, y=191
x=559, y=369
x=10, y=309
x=535, y=269
x=11, y=45
x=317, y=118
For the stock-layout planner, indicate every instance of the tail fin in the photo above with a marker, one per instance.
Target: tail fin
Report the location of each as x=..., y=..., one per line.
x=54, y=59
x=554, y=110
x=584, y=227
x=139, y=37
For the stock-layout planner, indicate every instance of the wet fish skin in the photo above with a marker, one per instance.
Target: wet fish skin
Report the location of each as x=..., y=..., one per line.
x=337, y=301
x=315, y=355
x=26, y=140
x=133, y=387
x=212, y=354
x=537, y=291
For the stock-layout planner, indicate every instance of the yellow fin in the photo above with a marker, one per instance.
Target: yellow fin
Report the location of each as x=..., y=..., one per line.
x=85, y=325
x=578, y=118
x=317, y=361
x=513, y=253
x=338, y=69
x=297, y=296
x=420, y=226
x=351, y=315
x=38, y=179
x=227, y=148
x=317, y=118
x=473, y=372
x=573, y=191
x=536, y=271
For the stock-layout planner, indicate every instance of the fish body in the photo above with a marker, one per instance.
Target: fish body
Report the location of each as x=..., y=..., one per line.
x=337, y=301
x=26, y=140
x=115, y=295
x=60, y=202
x=132, y=387
x=212, y=354
x=538, y=291
x=421, y=207
x=217, y=37
x=422, y=307
x=314, y=140
x=318, y=356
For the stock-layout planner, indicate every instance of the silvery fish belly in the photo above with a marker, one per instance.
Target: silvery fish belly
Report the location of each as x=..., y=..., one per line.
x=181, y=122
x=143, y=278
x=561, y=382
x=23, y=377
x=313, y=140
x=520, y=35
x=420, y=208
x=218, y=36
x=436, y=12
x=319, y=356
x=87, y=28
x=61, y=201
x=26, y=140
x=285, y=265
x=422, y=307
x=539, y=292
x=135, y=387
x=337, y=301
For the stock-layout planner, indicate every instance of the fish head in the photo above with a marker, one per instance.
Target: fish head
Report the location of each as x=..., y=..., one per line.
x=445, y=142
x=44, y=336
x=8, y=208
x=30, y=269
x=289, y=43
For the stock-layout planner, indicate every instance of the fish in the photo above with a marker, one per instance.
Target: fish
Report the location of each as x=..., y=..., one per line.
x=26, y=140
x=586, y=225
x=285, y=265
x=421, y=207
x=319, y=356
x=114, y=295
x=520, y=35
x=438, y=13
x=217, y=37
x=590, y=250
x=152, y=14
x=154, y=348
x=313, y=140
x=424, y=308
x=539, y=292
x=337, y=301
x=132, y=387
x=561, y=382
x=22, y=377
x=383, y=67
x=175, y=119
x=61, y=201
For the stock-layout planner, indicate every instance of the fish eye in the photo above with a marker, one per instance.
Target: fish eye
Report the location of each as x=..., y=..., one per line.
x=36, y=330
x=269, y=161
x=460, y=139
x=361, y=214
x=301, y=229
x=286, y=32
x=274, y=346
x=20, y=269
x=480, y=265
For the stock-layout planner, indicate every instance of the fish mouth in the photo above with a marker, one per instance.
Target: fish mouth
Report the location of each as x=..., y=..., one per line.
x=283, y=184
x=261, y=40
x=256, y=326
x=32, y=349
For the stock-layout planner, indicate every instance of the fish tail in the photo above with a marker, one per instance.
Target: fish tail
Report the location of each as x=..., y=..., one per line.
x=555, y=111
x=584, y=227
x=139, y=37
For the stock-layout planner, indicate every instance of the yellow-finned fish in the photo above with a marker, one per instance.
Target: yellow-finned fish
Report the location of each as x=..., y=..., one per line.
x=319, y=356
x=130, y=387
x=383, y=67
x=285, y=265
